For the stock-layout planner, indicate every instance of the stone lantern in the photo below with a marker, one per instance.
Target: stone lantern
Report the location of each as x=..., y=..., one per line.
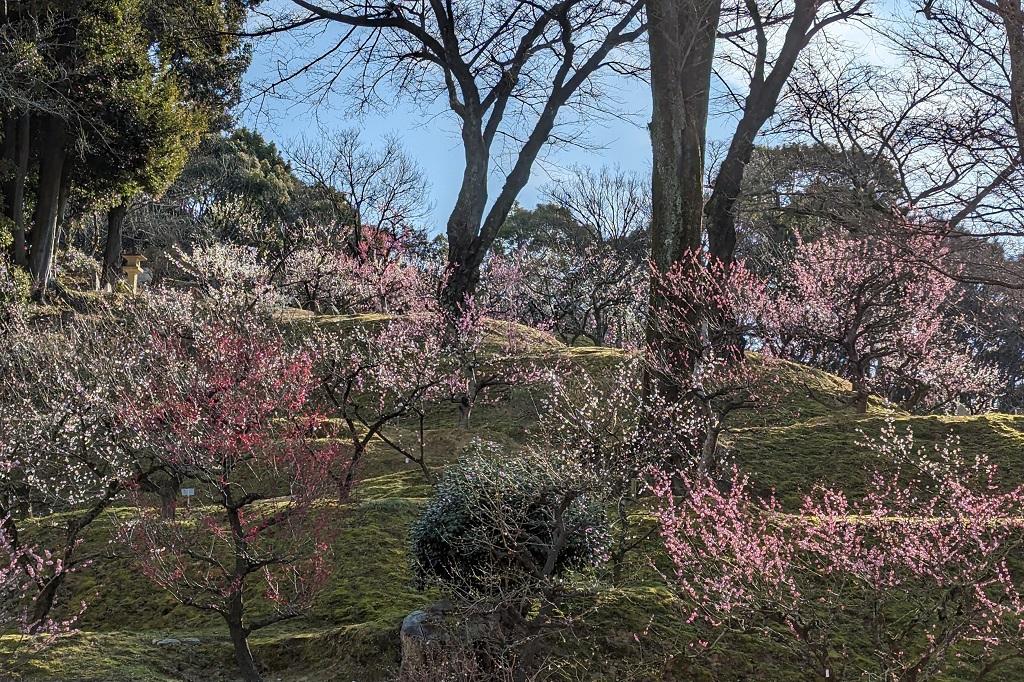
x=132, y=269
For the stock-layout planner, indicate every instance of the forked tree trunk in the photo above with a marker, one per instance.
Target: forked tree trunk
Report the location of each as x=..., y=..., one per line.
x=759, y=106
x=464, y=247
x=52, y=155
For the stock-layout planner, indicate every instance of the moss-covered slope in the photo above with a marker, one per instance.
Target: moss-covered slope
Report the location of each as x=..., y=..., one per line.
x=633, y=632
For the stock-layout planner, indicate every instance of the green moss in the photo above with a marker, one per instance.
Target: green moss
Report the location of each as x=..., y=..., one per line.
x=121, y=656
x=791, y=458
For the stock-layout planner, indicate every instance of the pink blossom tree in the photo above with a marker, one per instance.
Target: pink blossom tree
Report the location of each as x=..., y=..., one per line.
x=605, y=429
x=695, y=349
x=878, y=313
x=228, y=404
x=892, y=585
x=589, y=293
x=377, y=274
x=19, y=567
x=380, y=377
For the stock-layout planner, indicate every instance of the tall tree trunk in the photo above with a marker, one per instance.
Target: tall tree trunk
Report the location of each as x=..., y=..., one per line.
x=464, y=252
x=682, y=38
x=52, y=155
x=760, y=104
x=682, y=46
x=471, y=233
x=16, y=153
x=112, y=249
x=1011, y=12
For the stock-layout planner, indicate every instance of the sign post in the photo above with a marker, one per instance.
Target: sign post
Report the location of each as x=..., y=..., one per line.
x=188, y=494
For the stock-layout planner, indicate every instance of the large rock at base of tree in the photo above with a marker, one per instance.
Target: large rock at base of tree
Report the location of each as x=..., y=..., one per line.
x=439, y=644
x=424, y=638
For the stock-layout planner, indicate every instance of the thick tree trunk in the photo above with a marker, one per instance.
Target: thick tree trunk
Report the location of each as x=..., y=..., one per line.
x=52, y=155
x=682, y=44
x=464, y=260
x=16, y=154
x=471, y=233
x=464, y=252
x=112, y=249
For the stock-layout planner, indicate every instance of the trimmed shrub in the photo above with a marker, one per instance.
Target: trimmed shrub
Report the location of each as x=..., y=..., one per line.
x=498, y=524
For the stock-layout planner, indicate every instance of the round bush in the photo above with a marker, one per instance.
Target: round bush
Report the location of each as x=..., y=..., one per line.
x=491, y=519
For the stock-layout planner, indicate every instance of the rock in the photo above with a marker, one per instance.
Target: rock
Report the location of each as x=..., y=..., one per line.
x=167, y=641
x=422, y=634
x=434, y=647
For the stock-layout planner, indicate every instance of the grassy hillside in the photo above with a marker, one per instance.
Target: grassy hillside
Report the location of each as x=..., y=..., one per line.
x=352, y=631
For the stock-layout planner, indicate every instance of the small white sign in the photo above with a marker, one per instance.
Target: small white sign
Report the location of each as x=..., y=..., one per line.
x=188, y=492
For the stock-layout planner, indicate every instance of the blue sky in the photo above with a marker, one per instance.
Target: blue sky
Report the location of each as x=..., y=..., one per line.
x=431, y=137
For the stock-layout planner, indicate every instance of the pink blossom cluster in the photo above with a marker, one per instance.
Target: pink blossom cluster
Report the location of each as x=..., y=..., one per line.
x=377, y=275
x=699, y=324
x=21, y=569
x=921, y=561
x=879, y=311
x=227, y=406
x=592, y=294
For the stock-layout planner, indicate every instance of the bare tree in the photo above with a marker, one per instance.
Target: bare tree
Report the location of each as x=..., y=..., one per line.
x=1010, y=14
x=763, y=43
x=509, y=70
x=938, y=122
x=612, y=205
x=383, y=187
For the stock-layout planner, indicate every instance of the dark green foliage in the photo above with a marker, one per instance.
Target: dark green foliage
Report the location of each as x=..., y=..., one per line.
x=806, y=190
x=546, y=225
x=493, y=522
x=238, y=188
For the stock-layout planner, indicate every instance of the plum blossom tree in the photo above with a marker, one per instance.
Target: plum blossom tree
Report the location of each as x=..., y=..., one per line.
x=376, y=274
x=228, y=274
x=611, y=434
x=378, y=378
x=865, y=309
x=918, y=567
x=19, y=566
x=382, y=378
x=695, y=355
x=589, y=293
x=63, y=448
x=229, y=406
